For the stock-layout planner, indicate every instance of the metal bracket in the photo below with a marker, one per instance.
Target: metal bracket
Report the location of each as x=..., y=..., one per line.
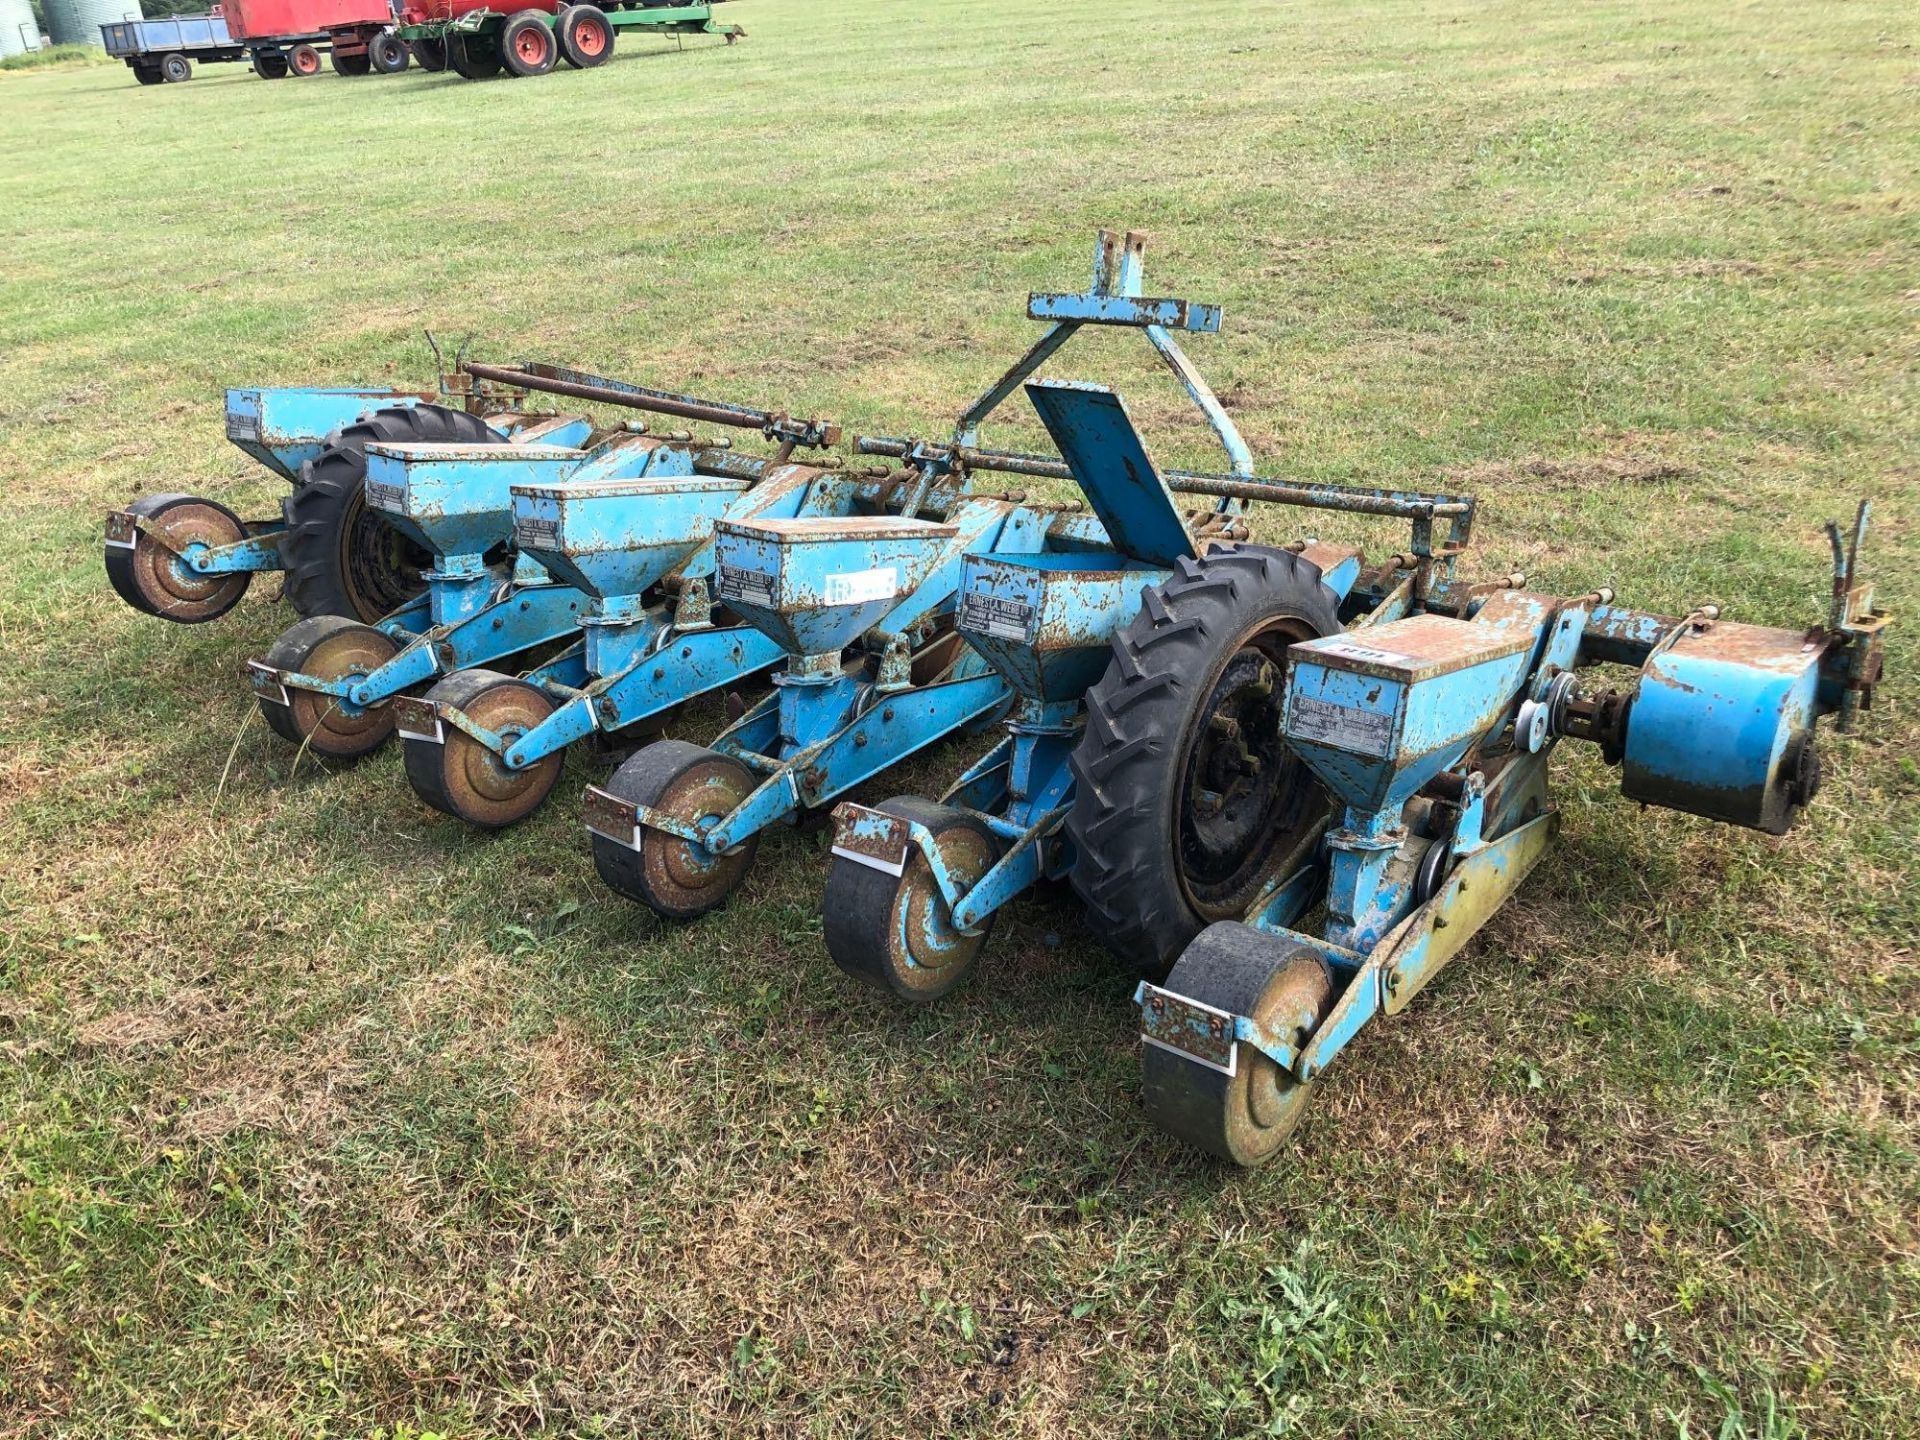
x=418, y=719
x=1203, y=1033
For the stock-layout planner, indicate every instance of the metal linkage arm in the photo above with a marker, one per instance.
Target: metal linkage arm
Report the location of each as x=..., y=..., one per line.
x=557, y=380
x=1114, y=298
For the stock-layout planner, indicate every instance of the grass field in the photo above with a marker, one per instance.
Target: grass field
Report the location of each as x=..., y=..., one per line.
x=323, y=1116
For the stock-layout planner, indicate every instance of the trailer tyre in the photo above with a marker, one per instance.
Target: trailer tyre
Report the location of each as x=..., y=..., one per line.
x=175, y=69
x=148, y=74
x=340, y=557
x=388, y=54
x=527, y=45
x=1186, y=800
x=431, y=52
x=473, y=57
x=585, y=35
x=270, y=65
x=303, y=60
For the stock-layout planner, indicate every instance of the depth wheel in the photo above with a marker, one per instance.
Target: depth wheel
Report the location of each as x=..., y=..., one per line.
x=152, y=579
x=1244, y=1118
x=585, y=36
x=341, y=557
x=329, y=647
x=302, y=61
x=1186, y=799
x=431, y=52
x=527, y=45
x=463, y=778
x=387, y=54
x=671, y=876
x=473, y=57
x=895, y=931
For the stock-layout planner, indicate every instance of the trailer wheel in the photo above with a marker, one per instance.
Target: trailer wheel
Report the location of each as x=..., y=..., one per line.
x=175, y=69
x=270, y=65
x=431, y=52
x=342, y=558
x=351, y=66
x=473, y=57
x=302, y=61
x=585, y=35
x=1186, y=801
x=526, y=44
x=388, y=54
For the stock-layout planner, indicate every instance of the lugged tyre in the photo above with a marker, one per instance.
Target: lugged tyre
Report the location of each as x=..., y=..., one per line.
x=1178, y=723
x=340, y=557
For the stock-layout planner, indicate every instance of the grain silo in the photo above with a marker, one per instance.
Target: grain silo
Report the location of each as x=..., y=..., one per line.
x=19, y=31
x=78, y=22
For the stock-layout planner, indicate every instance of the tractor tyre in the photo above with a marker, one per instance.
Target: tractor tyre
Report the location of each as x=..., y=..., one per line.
x=341, y=558
x=1186, y=801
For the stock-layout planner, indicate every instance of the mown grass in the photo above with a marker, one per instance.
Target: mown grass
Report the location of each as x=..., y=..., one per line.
x=324, y=1116
x=65, y=57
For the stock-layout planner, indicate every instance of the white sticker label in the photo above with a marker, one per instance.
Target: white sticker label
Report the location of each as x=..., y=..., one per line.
x=1347, y=649
x=857, y=587
x=1345, y=727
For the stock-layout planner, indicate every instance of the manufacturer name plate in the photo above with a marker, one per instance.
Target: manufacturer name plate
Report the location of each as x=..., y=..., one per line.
x=242, y=426
x=1364, y=732
x=997, y=617
x=387, y=497
x=536, y=533
x=750, y=587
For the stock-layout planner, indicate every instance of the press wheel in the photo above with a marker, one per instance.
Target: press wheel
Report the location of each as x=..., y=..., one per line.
x=152, y=578
x=329, y=647
x=463, y=778
x=672, y=876
x=1245, y=1117
x=896, y=931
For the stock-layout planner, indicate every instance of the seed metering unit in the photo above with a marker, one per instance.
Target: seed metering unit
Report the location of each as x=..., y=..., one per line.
x=189, y=559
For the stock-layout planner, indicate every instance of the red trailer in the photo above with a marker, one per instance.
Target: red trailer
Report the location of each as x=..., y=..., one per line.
x=359, y=32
